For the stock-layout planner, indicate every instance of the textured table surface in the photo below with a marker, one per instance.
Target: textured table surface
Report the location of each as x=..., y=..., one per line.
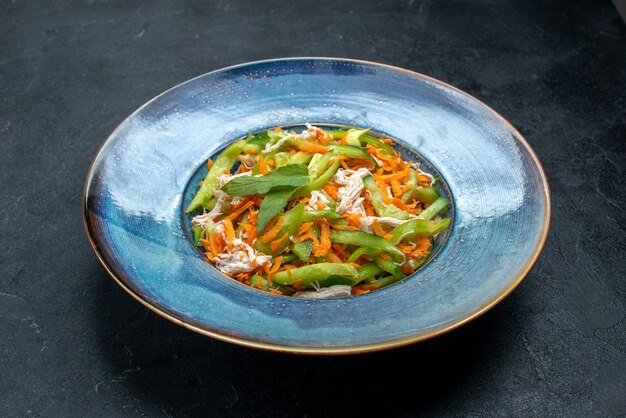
x=72, y=343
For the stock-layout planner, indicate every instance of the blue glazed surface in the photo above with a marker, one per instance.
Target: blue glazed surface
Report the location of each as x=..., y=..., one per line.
x=135, y=188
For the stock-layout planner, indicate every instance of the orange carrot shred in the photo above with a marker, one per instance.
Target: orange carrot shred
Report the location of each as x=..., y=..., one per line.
x=275, y=245
x=209, y=163
x=262, y=166
x=273, y=232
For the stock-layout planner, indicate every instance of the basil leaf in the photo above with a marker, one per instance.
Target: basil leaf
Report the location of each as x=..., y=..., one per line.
x=294, y=175
x=273, y=202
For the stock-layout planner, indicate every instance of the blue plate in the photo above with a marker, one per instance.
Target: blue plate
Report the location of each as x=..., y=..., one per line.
x=139, y=179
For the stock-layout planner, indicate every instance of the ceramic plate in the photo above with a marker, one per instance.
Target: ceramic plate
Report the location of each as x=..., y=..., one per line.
x=149, y=166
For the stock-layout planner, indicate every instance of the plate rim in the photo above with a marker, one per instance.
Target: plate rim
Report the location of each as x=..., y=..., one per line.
x=353, y=349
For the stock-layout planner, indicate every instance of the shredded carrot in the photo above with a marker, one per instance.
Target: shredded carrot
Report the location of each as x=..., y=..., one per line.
x=423, y=180
x=406, y=269
x=234, y=215
x=384, y=256
x=345, y=165
x=323, y=247
x=209, y=163
x=275, y=245
x=383, y=187
x=400, y=175
x=313, y=148
x=355, y=265
x=340, y=249
x=209, y=255
x=215, y=248
x=331, y=189
x=271, y=163
x=395, y=188
x=206, y=244
x=274, y=268
x=334, y=258
x=273, y=231
x=388, y=237
x=346, y=227
x=226, y=171
x=354, y=219
x=296, y=284
x=276, y=292
x=304, y=227
x=230, y=233
x=289, y=267
x=358, y=291
x=262, y=166
x=251, y=151
x=401, y=205
x=378, y=230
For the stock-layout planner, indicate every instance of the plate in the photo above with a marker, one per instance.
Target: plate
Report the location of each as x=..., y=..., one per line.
x=135, y=189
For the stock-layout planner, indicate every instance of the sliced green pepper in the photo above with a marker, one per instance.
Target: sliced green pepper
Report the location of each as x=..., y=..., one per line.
x=379, y=205
x=291, y=223
x=363, y=239
x=318, y=214
x=385, y=148
x=197, y=232
x=367, y=271
x=351, y=151
x=224, y=162
x=411, y=181
x=320, y=181
x=361, y=251
x=418, y=227
x=389, y=266
x=322, y=274
x=300, y=157
x=434, y=209
x=354, y=135
x=426, y=194
x=303, y=249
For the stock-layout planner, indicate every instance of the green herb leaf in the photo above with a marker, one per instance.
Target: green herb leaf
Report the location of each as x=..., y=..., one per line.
x=273, y=203
x=294, y=175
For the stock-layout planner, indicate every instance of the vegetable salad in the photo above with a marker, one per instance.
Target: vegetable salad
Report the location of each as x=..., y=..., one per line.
x=316, y=214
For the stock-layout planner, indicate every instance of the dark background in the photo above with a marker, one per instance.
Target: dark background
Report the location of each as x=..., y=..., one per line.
x=72, y=343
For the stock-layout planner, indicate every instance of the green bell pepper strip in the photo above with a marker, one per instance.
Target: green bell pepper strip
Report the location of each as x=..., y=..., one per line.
x=291, y=223
x=385, y=148
x=281, y=158
x=224, y=162
x=324, y=274
x=261, y=283
x=351, y=151
x=385, y=281
x=412, y=181
x=375, y=196
x=354, y=135
x=318, y=214
x=368, y=271
x=434, y=209
x=361, y=251
x=197, y=232
x=426, y=194
x=364, y=239
x=418, y=227
x=300, y=157
x=288, y=258
x=319, y=182
x=379, y=205
x=389, y=266
x=319, y=165
x=303, y=249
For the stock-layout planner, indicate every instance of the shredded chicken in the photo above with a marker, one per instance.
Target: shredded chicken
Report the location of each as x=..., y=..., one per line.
x=317, y=196
x=332, y=292
x=306, y=135
x=349, y=195
x=241, y=259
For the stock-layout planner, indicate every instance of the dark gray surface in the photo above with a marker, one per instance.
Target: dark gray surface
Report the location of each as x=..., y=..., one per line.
x=72, y=343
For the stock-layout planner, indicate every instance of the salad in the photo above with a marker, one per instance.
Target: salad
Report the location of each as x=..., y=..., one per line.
x=316, y=214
